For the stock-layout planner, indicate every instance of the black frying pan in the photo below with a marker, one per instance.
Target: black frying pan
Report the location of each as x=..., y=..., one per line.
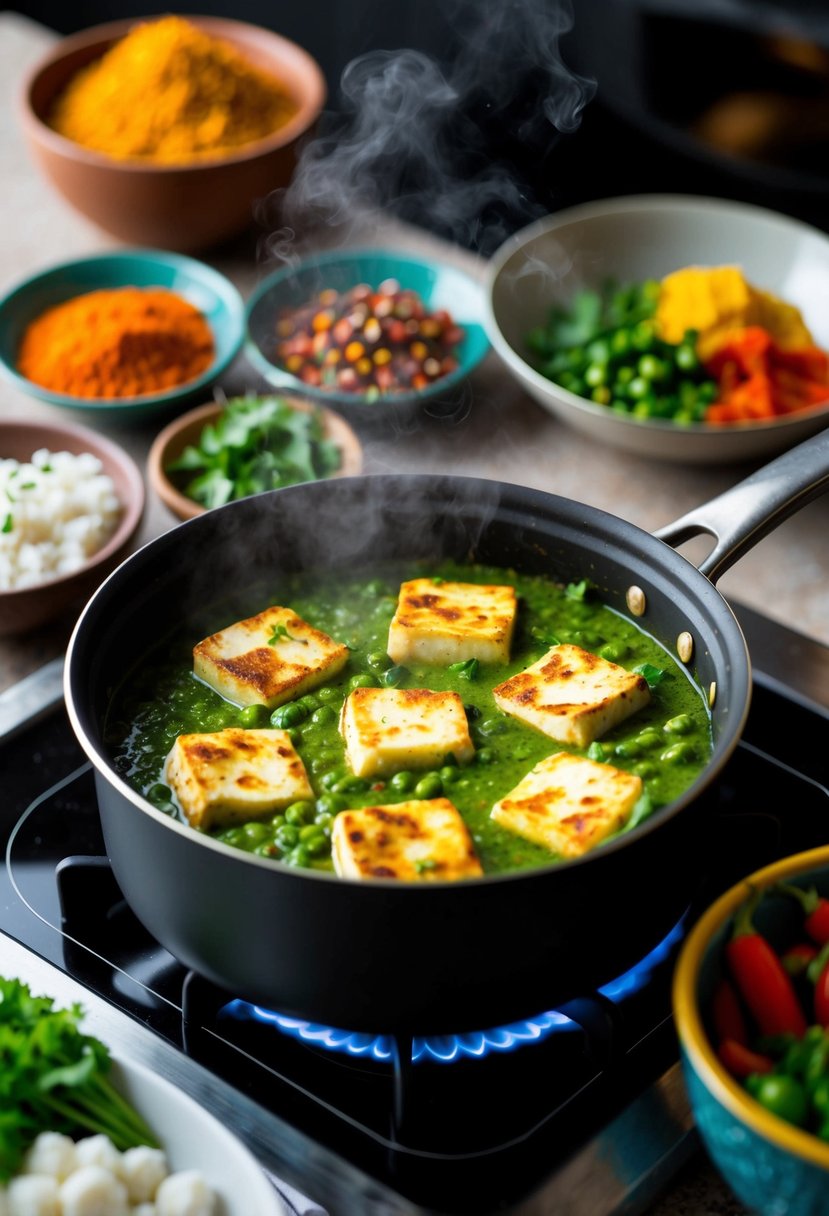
x=381, y=955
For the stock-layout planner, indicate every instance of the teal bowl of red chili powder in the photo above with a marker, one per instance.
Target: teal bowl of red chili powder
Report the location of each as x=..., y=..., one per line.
x=379, y=335
x=751, y=1006
x=130, y=332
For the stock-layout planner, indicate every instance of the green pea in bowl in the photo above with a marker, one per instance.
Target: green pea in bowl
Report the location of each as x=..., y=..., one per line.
x=773, y=1166
x=629, y=241
x=198, y=284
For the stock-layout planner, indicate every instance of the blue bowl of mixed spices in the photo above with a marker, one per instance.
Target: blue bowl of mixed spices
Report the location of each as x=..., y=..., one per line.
x=379, y=335
x=86, y=334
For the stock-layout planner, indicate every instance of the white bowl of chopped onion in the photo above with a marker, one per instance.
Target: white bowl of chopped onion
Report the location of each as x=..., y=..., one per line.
x=71, y=503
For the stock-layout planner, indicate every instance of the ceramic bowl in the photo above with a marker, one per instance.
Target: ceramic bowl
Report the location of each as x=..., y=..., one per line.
x=27, y=608
x=178, y=434
x=440, y=286
x=631, y=239
x=774, y=1168
x=187, y=207
x=206, y=289
x=193, y=1139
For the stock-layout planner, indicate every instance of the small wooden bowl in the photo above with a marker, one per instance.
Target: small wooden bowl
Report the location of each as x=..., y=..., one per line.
x=171, y=442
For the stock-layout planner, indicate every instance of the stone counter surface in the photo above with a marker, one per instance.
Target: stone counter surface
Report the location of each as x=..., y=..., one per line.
x=499, y=433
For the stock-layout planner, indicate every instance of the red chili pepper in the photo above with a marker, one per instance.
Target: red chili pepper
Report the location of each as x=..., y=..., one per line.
x=761, y=978
x=741, y=1061
x=727, y=1015
x=815, y=909
x=798, y=957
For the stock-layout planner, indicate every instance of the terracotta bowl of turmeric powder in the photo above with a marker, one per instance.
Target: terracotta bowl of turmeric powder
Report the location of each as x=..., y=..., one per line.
x=168, y=131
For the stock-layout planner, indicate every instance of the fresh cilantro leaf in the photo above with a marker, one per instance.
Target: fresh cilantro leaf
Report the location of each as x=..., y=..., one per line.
x=424, y=864
x=578, y=591
x=465, y=670
x=8, y=523
x=653, y=675
x=280, y=631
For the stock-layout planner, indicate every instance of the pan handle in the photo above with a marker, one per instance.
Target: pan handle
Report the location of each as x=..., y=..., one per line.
x=743, y=515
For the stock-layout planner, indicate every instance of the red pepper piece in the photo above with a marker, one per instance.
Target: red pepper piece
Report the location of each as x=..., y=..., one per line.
x=761, y=978
x=798, y=957
x=727, y=1015
x=815, y=909
x=741, y=1061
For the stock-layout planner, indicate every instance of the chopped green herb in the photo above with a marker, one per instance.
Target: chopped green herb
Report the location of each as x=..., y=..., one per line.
x=596, y=751
x=653, y=675
x=427, y=863
x=28, y=485
x=578, y=591
x=8, y=523
x=437, y=580
x=55, y=1079
x=280, y=631
x=466, y=670
x=257, y=444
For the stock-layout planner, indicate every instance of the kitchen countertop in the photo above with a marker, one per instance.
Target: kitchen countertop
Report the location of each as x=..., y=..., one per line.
x=499, y=432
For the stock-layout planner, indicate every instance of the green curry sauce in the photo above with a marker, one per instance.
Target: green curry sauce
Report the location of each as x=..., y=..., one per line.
x=667, y=743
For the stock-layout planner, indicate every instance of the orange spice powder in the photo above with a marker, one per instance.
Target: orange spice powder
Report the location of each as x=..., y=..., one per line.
x=123, y=342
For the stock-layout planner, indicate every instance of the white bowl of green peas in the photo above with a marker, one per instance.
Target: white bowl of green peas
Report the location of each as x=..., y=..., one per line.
x=567, y=308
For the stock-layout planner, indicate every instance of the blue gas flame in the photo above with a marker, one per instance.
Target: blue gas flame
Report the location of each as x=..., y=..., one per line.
x=446, y=1048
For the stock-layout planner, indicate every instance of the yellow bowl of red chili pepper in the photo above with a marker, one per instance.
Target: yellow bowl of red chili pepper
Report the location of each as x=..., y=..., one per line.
x=677, y=328
x=378, y=335
x=133, y=332
x=751, y=1005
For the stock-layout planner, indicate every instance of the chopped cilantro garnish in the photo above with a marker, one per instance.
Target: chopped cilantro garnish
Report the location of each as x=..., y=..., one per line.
x=280, y=631
x=653, y=675
x=578, y=591
x=8, y=523
x=427, y=863
x=465, y=670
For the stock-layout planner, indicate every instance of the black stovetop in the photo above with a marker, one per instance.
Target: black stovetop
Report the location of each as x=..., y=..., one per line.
x=394, y=1126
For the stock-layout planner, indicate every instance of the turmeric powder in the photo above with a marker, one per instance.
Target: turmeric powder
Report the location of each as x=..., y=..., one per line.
x=123, y=342
x=171, y=93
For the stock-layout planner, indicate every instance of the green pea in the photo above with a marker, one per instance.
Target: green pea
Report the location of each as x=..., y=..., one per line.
x=332, y=803
x=277, y=821
x=255, y=833
x=324, y=716
x=686, y=358
x=595, y=374
x=783, y=1096
x=287, y=836
x=450, y=774
x=299, y=812
x=323, y=820
x=620, y=342
x=288, y=715
x=649, y=737
x=601, y=395
x=644, y=769
x=266, y=849
x=315, y=841
x=253, y=716
x=374, y=588
x=403, y=782
x=309, y=702
x=491, y=726
x=638, y=388
x=624, y=376
x=362, y=680
x=651, y=368
x=329, y=780
x=485, y=755
x=158, y=793
x=298, y=856
x=378, y=660
x=680, y=725
x=612, y=651
x=350, y=784
x=429, y=786
x=628, y=749
x=679, y=753
x=394, y=677
x=329, y=695
x=233, y=836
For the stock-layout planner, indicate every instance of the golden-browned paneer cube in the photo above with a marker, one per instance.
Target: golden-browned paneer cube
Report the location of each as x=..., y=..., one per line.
x=267, y=659
x=414, y=841
x=572, y=695
x=389, y=729
x=233, y=775
x=443, y=622
x=569, y=804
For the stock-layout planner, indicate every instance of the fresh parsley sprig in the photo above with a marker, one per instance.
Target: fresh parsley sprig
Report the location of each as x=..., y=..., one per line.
x=55, y=1078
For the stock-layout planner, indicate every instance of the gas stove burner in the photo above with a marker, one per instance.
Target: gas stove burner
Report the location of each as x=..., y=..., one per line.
x=446, y=1049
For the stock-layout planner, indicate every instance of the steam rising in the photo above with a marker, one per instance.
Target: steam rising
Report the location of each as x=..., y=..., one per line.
x=436, y=144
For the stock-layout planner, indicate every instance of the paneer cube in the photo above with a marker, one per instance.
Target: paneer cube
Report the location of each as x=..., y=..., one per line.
x=267, y=659
x=572, y=695
x=569, y=804
x=444, y=623
x=233, y=775
x=389, y=729
x=414, y=841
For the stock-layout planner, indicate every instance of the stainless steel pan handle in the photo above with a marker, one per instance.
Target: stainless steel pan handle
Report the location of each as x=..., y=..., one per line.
x=743, y=515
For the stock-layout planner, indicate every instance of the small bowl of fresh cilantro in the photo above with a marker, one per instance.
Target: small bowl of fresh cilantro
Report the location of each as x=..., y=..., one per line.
x=248, y=445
